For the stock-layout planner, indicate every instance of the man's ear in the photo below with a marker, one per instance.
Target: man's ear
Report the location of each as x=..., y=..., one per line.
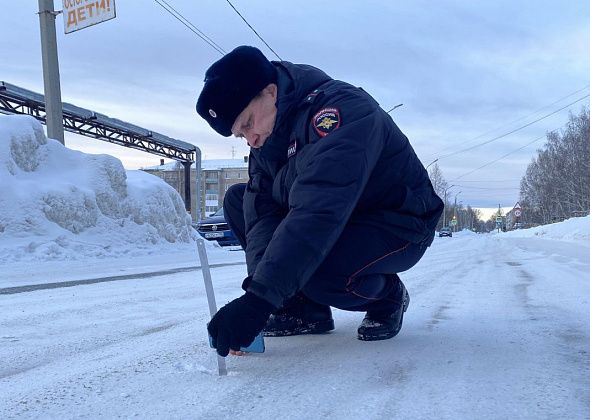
x=271, y=89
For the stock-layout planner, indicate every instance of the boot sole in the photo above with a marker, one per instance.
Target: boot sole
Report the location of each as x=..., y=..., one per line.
x=311, y=328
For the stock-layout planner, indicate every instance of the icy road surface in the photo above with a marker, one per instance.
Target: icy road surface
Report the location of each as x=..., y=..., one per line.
x=498, y=327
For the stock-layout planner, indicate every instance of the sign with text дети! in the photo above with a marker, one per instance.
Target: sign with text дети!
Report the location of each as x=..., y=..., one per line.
x=80, y=14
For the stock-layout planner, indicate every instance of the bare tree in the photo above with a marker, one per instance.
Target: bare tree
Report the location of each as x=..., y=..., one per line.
x=557, y=182
x=438, y=180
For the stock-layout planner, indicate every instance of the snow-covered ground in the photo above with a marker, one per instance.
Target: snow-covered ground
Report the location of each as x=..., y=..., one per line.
x=498, y=327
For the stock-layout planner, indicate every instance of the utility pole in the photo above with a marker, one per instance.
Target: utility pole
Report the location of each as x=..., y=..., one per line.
x=455, y=212
x=499, y=218
x=445, y=205
x=53, y=105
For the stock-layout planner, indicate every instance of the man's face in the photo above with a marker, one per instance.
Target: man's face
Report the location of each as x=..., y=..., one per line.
x=256, y=122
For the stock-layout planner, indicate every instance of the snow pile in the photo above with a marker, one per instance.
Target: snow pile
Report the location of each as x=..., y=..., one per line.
x=57, y=203
x=575, y=229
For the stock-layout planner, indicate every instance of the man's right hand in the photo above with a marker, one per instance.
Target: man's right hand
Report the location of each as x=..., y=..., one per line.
x=237, y=324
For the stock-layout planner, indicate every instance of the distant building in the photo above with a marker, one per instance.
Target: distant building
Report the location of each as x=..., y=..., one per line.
x=215, y=178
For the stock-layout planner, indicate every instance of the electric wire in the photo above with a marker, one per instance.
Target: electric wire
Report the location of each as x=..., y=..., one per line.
x=537, y=111
x=253, y=30
x=177, y=15
x=513, y=131
x=500, y=158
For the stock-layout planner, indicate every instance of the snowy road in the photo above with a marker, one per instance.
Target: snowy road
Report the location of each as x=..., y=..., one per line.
x=498, y=327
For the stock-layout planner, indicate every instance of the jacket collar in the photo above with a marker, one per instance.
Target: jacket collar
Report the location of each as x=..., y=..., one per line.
x=295, y=82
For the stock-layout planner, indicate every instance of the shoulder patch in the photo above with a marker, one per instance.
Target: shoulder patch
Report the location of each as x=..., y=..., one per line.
x=326, y=121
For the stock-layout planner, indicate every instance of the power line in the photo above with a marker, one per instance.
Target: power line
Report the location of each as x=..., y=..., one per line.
x=177, y=15
x=254, y=30
x=515, y=130
x=500, y=158
x=511, y=152
x=521, y=118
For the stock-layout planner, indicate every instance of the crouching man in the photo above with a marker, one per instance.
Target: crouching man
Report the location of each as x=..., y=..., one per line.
x=336, y=206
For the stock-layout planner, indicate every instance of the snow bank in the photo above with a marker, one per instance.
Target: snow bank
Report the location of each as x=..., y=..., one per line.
x=575, y=229
x=57, y=203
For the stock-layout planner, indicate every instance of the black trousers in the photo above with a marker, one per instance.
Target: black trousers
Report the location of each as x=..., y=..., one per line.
x=359, y=273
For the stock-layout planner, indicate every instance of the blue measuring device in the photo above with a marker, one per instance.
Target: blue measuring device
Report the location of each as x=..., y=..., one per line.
x=257, y=345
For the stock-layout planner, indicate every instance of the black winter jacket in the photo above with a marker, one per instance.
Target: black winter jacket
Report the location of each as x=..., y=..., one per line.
x=334, y=156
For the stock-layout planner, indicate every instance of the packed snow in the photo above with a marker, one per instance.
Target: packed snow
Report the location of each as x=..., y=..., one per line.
x=498, y=325
x=62, y=204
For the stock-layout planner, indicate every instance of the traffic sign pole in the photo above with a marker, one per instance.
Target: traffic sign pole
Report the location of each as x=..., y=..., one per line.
x=53, y=105
x=210, y=295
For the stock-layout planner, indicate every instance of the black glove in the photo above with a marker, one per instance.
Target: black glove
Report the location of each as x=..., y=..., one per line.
x=238, y=323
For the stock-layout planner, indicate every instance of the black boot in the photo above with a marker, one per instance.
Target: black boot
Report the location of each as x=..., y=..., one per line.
x=299, y=315
x=384, y=324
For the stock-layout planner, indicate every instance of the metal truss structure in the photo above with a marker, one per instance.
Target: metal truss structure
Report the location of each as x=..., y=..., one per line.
x=16, y=100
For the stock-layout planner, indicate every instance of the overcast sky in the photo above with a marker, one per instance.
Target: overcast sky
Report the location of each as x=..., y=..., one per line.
x=464, y=70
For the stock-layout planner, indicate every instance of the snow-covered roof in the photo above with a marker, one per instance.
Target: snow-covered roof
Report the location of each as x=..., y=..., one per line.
x=224, y=164
x=210, y=165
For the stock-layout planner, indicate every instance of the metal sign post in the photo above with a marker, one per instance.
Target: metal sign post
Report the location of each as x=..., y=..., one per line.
x=210, y=295
x=53, y=105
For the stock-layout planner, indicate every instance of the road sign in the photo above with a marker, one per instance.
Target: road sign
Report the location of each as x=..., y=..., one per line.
x=517, y=212
x=80, y=14
x=453, y=222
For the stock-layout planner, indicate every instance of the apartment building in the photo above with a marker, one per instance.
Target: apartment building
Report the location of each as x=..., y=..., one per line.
x=214, y=180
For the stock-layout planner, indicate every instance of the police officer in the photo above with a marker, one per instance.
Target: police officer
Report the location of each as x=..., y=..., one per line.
x=336, y=205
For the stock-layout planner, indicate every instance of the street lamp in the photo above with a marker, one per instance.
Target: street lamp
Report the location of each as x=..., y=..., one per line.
x=434, y=161
x=397, y=106
x=445, y=204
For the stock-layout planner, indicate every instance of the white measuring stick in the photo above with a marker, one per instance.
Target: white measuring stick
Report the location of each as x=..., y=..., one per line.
x=210, y=295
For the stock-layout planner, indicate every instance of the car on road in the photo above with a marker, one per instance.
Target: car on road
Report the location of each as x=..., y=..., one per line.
x=215, y=228
x=445, y=231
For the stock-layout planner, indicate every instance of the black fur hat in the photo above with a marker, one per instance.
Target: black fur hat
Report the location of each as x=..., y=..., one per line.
x=231, y=83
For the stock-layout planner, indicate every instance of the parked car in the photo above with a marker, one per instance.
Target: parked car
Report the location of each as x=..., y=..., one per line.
x=445, y=231
x=215, y=228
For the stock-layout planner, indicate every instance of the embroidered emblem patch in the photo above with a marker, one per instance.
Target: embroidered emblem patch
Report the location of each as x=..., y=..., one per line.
x=292, y=149
x=326, y=121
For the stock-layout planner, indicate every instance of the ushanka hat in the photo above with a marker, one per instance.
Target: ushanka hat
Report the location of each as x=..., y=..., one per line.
x=231, y=83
